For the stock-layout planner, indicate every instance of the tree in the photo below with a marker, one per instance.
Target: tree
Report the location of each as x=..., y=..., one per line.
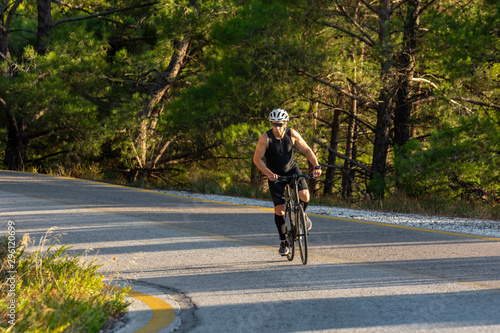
x=192, y=22
x=54, y=76
x=155, y=89
x=393, y=35
x=463, y=59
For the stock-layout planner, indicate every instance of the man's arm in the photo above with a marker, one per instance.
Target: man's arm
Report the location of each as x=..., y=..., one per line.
x=306, y=150
x=258, y=156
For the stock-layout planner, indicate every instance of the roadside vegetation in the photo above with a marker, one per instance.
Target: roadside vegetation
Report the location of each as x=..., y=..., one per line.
x=55, y=291
x=395, y=200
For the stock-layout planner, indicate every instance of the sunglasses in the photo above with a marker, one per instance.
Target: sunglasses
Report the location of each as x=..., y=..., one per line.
x=278, y=124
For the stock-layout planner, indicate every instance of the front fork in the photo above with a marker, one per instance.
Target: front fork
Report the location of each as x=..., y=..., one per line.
x=292, y=211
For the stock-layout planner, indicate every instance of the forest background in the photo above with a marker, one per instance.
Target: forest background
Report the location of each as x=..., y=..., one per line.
x=400, y=100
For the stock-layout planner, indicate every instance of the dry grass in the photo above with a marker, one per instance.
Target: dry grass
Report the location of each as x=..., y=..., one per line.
x=55, y=292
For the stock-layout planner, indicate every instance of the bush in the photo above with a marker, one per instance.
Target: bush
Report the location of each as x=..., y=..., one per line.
x=56, y=292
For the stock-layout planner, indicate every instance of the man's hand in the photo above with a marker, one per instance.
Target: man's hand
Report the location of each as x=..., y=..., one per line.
x=316, y=173
x=273, y=177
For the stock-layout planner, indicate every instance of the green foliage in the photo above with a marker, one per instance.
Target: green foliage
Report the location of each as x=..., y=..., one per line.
x=81, y=102
x=256, y=20
x=464, y=38
x=230, y=170
x=458, y=163
x=377, y=186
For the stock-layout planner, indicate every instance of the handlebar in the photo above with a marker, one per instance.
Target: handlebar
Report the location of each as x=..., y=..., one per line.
x=287, y=178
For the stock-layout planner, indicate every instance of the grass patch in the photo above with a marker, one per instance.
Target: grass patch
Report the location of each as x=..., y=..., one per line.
x=56, y=292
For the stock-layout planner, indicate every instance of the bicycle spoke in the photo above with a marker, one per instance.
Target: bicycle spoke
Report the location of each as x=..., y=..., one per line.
x=296, y=229
x=290, y=234
x=302, y=235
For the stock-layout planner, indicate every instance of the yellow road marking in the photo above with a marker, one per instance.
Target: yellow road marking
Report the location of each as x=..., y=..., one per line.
x=163, y=313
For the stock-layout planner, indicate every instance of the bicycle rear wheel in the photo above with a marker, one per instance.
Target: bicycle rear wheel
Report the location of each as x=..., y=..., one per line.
x=302, y=234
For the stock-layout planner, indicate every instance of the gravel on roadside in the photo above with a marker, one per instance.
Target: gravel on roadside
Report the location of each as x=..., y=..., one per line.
x=478, y=227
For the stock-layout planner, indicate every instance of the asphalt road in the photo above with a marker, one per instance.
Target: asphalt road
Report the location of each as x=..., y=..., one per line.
x=220, y=261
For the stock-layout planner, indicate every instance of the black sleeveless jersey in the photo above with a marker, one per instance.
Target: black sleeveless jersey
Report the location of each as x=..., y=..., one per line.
x=279, y=153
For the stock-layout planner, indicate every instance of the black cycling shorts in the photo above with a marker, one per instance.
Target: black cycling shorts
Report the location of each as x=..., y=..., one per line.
x=277, y=190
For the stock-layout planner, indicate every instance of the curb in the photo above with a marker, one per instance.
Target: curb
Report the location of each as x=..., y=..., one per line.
x=150, y=311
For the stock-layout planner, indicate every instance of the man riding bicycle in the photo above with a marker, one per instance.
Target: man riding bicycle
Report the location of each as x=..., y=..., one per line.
x=276, y=145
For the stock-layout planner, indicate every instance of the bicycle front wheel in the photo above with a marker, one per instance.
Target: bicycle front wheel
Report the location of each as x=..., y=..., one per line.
x=302, y=234
x=290, y=232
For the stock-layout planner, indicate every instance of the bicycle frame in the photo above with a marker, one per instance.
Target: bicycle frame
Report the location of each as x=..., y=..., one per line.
x=295, y=217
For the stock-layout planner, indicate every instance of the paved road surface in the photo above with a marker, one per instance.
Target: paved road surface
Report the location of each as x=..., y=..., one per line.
x=220, y=261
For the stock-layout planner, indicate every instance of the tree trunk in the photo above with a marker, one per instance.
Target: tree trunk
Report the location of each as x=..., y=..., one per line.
x=384, y=108
x=351, y=136
x=255, y=176
x=381, y=143
x=349, y=152
x=17, y=142
x=4, y=43
x=313, y=183
x=332, y=158
x=44, y=25
x=159, y=94
x=407, y=70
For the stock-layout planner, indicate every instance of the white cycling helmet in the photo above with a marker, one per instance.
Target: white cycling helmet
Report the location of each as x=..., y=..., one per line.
x=278, y=115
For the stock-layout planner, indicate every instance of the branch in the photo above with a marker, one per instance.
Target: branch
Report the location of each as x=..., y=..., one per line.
x=11, y=13
x=353, y=182
x=137, y=158
x=14, y=65
x=109, y=12
x=362, y=166
x=371, y=104
x=424, y=100
x=369, y=42
x=396, y=6
x=127, y=172
x=370, y=7
x=46, y=133
x=111, y=79
x=460, y=105
x=188, y=153
x=463, y=99
x=65, y=151
x=334, y=166
x=162, y=151
x=426, y=5
x=426, y=81
x=359, y=26
x=489, y=105
x=347, y=113
x=41, y=135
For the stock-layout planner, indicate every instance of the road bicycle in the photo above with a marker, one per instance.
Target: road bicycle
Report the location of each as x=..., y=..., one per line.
x=294, y=212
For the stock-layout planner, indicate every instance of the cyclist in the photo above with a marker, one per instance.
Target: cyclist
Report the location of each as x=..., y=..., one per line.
x=276, y=146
